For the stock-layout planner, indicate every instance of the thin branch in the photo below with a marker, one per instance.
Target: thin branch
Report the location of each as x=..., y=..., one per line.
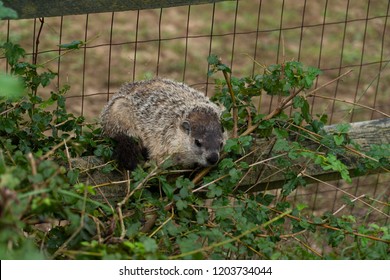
x=347, y=193
x=311, y=93
x=233, y=239
x=49, y=153
x=76, y=232
x=120, y=204
x=281, y=106
x=344, y=205
x=235, y=110
x=334, y=228
x=353, y=103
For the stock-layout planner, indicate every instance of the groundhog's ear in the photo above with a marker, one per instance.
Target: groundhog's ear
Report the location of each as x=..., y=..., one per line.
x=186, y=126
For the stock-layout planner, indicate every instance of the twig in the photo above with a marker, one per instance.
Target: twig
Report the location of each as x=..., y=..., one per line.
x=307, y=247
x=10, y=109
x=210, y=183
x=332, y=228
x=311, y=93
x=163, y=224
x=354, y=104
x=68, y=155
x=110, y=183
x=49, y=153
x=201, y=174
x=281, y=106
x=96, y=166
x=37, y=41
x=235, y=110
x=119, y=207
x=344, y=205
x=347, y=193
x=236, y=238
x=267, y=159
x=70, y=50
x=76, y=232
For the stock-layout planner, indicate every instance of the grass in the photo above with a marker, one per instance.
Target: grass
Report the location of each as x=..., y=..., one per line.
x=115, y=65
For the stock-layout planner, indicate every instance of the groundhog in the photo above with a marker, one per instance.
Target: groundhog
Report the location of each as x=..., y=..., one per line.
x=159, y=119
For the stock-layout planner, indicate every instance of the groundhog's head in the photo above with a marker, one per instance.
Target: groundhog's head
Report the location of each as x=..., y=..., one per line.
x=206, y=136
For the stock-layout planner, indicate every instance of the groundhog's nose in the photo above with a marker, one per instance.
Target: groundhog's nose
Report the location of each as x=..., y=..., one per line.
x=212, y=158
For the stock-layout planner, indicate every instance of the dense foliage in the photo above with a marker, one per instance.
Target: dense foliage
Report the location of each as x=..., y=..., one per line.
x=48, y=211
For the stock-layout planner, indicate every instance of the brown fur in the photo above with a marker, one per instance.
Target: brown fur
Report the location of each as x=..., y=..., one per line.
x=163, y=118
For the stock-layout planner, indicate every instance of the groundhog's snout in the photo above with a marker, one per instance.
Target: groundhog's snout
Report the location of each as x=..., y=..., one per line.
x=212, y=158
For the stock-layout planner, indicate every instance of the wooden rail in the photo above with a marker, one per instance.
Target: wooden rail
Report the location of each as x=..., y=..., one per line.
x=366, y=134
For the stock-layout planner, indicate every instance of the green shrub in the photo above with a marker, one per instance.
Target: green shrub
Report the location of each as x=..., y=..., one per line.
x=48, y=211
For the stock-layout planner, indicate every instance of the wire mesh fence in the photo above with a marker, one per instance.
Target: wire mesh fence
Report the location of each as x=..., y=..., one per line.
x=335, y=36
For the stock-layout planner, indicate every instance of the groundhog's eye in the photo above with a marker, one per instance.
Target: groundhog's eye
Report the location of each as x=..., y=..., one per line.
x=197, y=143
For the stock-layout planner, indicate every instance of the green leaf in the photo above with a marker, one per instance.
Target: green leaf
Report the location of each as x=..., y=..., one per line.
x=301, y=102
x=280, y=132
x=281, y=145
x=343, y=127
x=214, y=191
x=224, y=68
x=11, y=88
x=292, y=184
x=231, y=145
x=213, y=59
x=13, y=52
x=226, y=163
x=181, y=204
x=45, y=78
x=8, y=180
x=168, y=189
x=301, y=206
x=7, y=13
x=234, y=175
x=74, y=45
x=338, y=139
x=202, y=217
x=150, y=244
x=73, y=176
